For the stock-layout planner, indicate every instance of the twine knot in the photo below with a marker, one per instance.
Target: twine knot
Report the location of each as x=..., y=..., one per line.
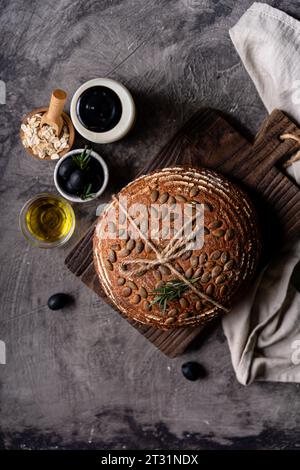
x=176, y=247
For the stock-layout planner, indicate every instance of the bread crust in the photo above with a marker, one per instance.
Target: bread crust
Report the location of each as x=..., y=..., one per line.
x=223, y=266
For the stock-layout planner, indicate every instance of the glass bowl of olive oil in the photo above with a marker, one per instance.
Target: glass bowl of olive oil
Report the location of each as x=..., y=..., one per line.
x=47, y=220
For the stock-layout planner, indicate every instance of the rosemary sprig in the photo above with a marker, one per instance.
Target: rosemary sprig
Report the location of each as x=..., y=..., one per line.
x=171, y=290
x=87, y=194
x=82, y=160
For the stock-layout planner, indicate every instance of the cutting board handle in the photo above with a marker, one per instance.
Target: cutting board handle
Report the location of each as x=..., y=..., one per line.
x=269, y=148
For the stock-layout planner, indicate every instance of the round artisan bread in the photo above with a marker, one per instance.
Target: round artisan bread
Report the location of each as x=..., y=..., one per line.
x=216, y=272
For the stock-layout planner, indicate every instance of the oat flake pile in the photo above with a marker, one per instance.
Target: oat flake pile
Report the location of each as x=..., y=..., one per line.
x=42, y=140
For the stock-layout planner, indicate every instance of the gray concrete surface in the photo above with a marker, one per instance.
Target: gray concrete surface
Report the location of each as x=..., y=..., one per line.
x=83, y=377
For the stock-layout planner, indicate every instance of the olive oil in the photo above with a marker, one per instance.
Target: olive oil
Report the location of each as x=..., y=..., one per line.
x=49, y=219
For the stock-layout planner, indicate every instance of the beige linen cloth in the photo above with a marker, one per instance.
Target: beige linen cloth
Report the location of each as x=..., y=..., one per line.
x=263, y=330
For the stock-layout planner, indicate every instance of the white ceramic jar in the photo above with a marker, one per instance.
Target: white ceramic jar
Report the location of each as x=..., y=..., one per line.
x=127, y=115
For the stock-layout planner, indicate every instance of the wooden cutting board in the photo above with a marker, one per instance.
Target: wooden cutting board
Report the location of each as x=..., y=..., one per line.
x=209, y=140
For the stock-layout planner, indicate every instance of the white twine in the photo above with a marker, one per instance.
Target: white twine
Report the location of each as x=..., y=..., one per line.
x=295, y=157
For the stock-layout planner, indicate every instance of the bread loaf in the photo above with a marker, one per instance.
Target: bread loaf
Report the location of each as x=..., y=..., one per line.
x=194, y=284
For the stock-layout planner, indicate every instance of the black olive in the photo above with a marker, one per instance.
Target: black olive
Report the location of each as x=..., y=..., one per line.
x=68, y=187
x=77, y=180
x=58, y=301
x=66, y=167
x=192, y=370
